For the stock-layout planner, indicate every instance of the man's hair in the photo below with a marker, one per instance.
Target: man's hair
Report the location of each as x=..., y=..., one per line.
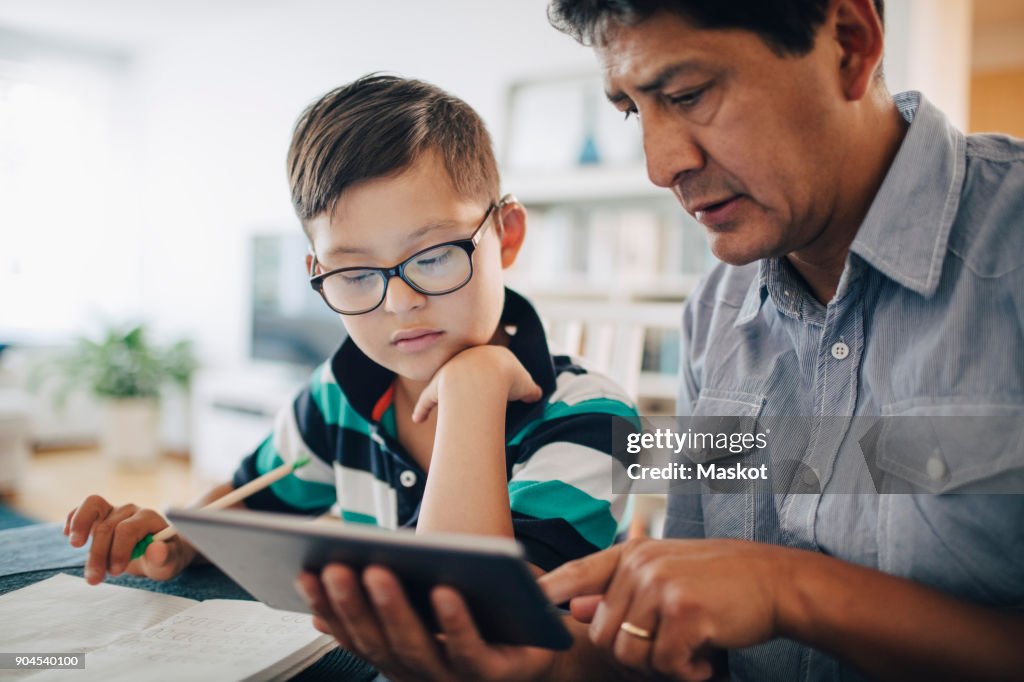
x=787, y=26
x=378, y=126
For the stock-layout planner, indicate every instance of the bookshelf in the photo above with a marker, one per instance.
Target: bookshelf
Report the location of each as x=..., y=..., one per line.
x=606, y=248
x=606, y=233
x=605, y=236
x=585, y=183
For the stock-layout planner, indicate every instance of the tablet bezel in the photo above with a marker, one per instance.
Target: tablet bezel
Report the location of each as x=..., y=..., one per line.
x=264, y=552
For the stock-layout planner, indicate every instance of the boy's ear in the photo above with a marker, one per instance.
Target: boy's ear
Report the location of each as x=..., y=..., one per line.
x=513, y=231
x=309, y=264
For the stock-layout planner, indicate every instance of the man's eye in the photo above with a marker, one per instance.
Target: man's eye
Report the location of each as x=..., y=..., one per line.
x=688, y=99
x=630, y=112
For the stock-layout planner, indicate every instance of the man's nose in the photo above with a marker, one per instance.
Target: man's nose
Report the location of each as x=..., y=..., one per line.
x=401, y=298
x=669, y=148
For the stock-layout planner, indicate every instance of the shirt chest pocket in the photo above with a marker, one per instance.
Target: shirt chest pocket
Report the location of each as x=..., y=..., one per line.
x=951, y=445
x=727, y=418
x=954, y=468
x=723, y=425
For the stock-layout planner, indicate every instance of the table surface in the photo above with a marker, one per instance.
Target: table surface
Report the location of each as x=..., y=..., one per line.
x=33, y=553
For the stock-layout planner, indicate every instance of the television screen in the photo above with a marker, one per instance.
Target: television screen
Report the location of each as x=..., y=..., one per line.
x=290, y=322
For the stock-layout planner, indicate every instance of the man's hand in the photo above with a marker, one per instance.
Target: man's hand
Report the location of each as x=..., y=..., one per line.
x=495, y=363
x=374, y=620
x=115, y=531
x=694, y=596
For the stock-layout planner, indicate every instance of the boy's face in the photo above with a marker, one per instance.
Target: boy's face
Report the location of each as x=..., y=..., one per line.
x=749, y=141
x=383, y=221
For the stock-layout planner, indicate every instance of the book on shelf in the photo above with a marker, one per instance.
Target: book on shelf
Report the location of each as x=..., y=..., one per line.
x=638, y=246
x=602, y=245
x=611, y=251
x=673, y=245
x=661, y=351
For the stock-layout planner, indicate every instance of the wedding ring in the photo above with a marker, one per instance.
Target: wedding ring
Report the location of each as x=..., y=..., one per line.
x=636, y=631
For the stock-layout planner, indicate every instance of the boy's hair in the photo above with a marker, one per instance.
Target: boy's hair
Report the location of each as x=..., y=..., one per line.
x=786, y=26
x=378, y=126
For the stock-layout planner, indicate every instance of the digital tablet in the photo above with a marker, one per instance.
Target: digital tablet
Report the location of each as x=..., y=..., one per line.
x=265, y=552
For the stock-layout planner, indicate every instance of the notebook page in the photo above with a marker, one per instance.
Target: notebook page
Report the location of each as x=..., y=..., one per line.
x=289, y=667
x=64, y=614
x=218, y=639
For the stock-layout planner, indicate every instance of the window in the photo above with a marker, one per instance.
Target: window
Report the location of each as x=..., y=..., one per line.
x=67, y=255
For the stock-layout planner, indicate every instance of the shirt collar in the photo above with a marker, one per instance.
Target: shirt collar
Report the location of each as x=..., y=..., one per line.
x=366, y=384
x=906, y=230
x=755, y=294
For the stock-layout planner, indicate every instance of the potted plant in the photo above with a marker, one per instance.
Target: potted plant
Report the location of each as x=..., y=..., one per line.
x=127, y=374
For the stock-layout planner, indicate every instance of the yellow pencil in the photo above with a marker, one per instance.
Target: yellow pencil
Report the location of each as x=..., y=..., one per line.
x=233, y=497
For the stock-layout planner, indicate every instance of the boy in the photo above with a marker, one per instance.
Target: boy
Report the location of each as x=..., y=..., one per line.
x=444, y=371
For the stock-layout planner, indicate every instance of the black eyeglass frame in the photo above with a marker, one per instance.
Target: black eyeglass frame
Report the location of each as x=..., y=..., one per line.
x=469, y=245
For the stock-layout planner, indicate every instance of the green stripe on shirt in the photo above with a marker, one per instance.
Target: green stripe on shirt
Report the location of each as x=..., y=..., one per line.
x=292, y=490
x=334, y=406
x=557, y=410
x=591, y=518
x=356, y=517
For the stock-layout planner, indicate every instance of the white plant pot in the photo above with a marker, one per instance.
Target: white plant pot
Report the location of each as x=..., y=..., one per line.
x=130, y=433
x=14, y=435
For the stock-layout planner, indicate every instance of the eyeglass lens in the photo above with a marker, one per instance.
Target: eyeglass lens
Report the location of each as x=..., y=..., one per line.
x=435, y=271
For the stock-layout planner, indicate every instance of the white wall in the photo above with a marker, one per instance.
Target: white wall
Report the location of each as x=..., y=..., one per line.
x=928, y=48
x=219, y=103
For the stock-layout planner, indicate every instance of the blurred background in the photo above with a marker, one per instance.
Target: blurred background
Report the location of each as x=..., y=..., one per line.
x=154, y=310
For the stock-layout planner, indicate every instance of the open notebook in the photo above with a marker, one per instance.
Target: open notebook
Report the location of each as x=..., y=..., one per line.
x=132, y=635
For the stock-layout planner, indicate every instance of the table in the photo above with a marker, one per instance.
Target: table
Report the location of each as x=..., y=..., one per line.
x=36, y=552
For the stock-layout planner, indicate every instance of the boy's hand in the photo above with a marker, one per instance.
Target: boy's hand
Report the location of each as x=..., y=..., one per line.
x=491, y=365
x=115, y=531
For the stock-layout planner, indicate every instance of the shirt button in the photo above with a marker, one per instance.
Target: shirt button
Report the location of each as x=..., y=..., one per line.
x=840, y=350
x=408, y=478
x=935, y=467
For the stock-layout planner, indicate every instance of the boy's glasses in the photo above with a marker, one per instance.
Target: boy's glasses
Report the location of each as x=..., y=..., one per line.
x=434, y=271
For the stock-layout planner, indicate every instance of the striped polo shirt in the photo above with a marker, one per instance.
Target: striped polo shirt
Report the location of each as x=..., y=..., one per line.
x=557, y=454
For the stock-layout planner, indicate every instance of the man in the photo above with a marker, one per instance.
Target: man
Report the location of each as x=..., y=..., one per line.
x=866, y=243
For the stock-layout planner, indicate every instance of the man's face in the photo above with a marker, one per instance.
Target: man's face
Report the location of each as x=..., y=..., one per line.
x=381, y=222
x=746, y=139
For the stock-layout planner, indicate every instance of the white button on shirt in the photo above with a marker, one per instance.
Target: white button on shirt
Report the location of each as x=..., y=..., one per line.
x=407, y=478
x=936, y=467
x=840, y=350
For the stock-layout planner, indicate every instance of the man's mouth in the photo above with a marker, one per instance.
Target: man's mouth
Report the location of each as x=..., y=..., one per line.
x=717, y=211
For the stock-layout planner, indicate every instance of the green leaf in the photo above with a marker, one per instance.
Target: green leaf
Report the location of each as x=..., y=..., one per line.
x=123, y=364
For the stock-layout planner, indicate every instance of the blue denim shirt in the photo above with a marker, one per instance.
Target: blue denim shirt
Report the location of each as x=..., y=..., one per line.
x=927, y=320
